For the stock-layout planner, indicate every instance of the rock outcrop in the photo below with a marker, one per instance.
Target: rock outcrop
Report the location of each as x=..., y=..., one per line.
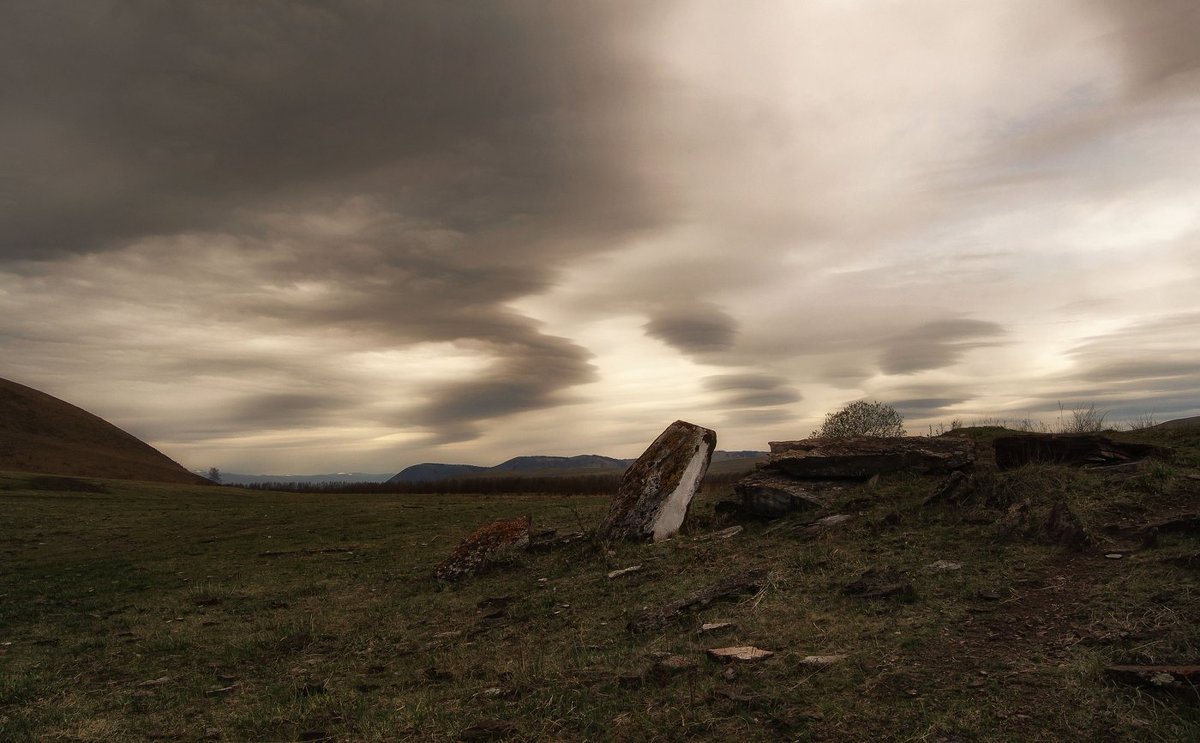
x=859, y=458
x=769, y=495
x=1072, y=449
x=811, y=473
x=657, y=489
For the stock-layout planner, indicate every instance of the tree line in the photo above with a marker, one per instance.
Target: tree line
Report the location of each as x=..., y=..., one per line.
x=592, y=484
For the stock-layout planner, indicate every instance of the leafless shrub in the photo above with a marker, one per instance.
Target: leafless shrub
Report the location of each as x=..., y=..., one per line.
x=1081, y=419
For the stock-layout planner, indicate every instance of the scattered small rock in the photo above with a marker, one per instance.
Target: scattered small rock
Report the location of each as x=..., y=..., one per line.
x=1176, y=677
x=624, y=571
x=489, y=693
x=491, y=729
x=943, y=566
x=742, y=653
x=1114, y=555
x=710, y=627
x=821, y=661
x=882, y=583
x=736, y=585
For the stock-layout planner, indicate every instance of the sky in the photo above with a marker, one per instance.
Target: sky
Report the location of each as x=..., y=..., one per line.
x=298, y=237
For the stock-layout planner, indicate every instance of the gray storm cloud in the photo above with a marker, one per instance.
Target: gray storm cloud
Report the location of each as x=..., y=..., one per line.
x=417, y=165
x=389, y=225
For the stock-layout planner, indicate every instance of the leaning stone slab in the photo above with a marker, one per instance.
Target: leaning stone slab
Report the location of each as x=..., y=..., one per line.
x=860, y=458
x=768, y=495
x=657, y=489
x=469, y=556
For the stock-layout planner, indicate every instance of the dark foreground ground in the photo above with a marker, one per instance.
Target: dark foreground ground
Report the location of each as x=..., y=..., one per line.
x=157, y=612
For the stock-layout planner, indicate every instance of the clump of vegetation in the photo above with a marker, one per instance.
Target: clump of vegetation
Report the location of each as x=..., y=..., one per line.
x=862, y=418
x=1081, y=419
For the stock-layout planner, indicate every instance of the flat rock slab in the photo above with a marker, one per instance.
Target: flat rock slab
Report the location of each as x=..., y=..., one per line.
x=741, y=653
x=469, y=556
x=1071, y=449
x=769, y=495
x=861, y=458
x=657, y=489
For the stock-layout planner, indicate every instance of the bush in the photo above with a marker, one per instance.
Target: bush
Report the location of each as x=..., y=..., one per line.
x=862, y=418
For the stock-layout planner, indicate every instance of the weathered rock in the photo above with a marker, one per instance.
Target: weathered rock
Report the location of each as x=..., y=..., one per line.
x=821, y=661
x=490, y=729
x=612, y=574
x=953, y=489
x=1070, y=448
x=1175, y=677
x=731, y=587
x=882, y=583
x=860, y=458
x=709, y=627
x=810, y=529
x=769, y=495
x=1062, y=527
x=657, y=489
x=743, y=653
x=469, y=556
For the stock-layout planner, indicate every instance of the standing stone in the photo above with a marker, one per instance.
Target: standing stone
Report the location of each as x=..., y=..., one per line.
x=657, y=489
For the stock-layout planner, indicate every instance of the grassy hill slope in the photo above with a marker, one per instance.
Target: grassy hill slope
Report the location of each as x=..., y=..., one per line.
x=40, y=433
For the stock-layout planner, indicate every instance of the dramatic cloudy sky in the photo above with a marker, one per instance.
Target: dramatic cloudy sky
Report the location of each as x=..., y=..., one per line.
x=308, y=236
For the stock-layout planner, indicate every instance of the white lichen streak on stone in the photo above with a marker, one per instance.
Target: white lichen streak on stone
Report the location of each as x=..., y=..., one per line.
x=670, y=518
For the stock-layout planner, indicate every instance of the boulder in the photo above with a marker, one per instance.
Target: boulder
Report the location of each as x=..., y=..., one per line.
x=1083, y=449
x=657, y=489
x=768, y=495
x=469, y=556
x=860, y=458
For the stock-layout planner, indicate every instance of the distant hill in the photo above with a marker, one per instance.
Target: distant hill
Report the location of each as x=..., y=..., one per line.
x=548, y=466
x=1178, y=424
x=40, y=433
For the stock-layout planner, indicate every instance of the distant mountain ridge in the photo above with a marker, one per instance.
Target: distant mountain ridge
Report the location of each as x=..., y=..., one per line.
x=237, y=478
x=540, y=466
x=41, y=433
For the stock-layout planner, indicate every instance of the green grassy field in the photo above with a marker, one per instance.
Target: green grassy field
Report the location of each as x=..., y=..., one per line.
x=164, y=612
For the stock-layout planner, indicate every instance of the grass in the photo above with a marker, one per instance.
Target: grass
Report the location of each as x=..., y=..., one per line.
x=165, y=612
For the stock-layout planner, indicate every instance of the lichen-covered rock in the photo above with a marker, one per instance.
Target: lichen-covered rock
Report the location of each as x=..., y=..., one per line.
x=863, y=457
x=657, y=489
x=469, y=556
